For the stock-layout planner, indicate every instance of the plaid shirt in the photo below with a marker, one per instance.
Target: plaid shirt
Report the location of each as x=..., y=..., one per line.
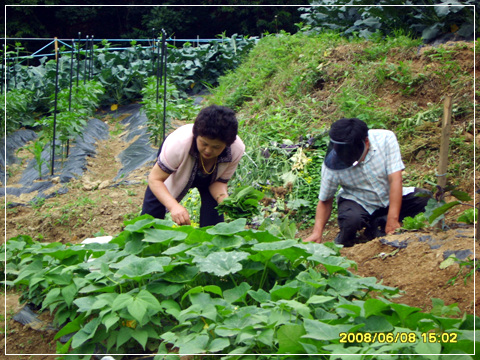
x=367, y=183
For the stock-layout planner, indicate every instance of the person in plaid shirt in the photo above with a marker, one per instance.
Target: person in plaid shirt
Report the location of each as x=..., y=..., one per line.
x=368, y=166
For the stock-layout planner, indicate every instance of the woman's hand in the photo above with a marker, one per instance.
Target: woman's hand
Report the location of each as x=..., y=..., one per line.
x=180, y=215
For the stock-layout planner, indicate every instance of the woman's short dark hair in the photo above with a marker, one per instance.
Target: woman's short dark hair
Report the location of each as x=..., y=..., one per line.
x=216, y=122
x=351, y=130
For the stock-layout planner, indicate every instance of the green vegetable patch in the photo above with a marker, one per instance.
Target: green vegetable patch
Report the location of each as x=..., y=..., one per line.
x=162, y=289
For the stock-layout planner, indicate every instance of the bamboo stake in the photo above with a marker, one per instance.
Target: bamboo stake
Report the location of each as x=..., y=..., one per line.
x=445, y=142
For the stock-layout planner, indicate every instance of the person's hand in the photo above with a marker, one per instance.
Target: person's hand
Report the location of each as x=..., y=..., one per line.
x=180, y=215
x=314, y=238
x=391, y=226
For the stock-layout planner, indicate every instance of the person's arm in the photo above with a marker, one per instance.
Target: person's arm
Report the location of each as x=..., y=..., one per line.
x=219, y=191
x=324, y=210
x=156, y=182
x=395, y=199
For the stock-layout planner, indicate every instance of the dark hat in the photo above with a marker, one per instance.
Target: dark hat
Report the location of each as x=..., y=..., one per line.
x=347, y=143
x=342, y=155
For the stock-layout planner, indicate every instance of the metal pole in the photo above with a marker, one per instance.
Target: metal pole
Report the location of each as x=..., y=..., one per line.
x=159, y=75
x=55, y=108
x=78, y=57
x=71, y=85
x=71, y=77
x=153, y=52
x=15, y=70
x=164, y=52
x=159, y=67
x=90, y=72
x=86, y=60
x=3, y=66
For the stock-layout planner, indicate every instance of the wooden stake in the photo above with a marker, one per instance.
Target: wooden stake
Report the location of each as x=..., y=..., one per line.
x=445, y=142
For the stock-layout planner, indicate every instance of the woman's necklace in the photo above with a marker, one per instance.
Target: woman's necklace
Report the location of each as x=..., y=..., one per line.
x=203, y=166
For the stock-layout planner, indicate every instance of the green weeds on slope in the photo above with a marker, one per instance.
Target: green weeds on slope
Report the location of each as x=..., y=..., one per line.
x=290, y=88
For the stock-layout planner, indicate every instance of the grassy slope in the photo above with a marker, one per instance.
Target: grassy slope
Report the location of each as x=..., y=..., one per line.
x=293, y=85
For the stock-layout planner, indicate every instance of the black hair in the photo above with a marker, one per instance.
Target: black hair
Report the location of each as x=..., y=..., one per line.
x=216, y=122
x=350, y=130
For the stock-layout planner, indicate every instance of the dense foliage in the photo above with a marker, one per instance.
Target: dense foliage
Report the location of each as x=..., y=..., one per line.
x=223, y=289
x=179, y=18
x=122, y=74
x=418, y=18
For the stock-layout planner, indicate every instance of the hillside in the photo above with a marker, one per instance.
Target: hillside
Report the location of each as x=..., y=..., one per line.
x=286, y=93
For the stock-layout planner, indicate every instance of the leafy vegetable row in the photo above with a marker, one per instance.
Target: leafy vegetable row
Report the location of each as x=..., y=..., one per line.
x=227, y=289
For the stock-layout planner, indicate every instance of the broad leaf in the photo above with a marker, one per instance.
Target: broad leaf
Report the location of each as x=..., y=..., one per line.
x=222, y=263
x=163, y=236
x=289, y=337
x=321, y=331
x=228, y=228
x=85, y=333
x=134, y=267
x=238, y=293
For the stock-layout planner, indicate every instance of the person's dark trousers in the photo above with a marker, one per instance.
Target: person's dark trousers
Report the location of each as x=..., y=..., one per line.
x=152, y=206
x=352, y=217
x=208, y=214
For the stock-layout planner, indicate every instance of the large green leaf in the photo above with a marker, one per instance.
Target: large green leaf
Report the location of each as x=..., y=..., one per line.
x=141, y=224
x=227, y=242
x=134, y=267
x=286, y=248
x=85, y=333
x=322, y=331
x=141, y=335
x=260, y=296
x=85, y=303
x=141, y=304
x=320, y=299
x=238, y=293
x=122, y=301
x=222, y=263
x=333, y=264
x=375, y=323
x=174, y=250
x=181, y=274
x=163, y=236
x=230, y=228
x=217, y=345
x=196, y=344
x=164, y=288
x=289, y=337
x=374, y=307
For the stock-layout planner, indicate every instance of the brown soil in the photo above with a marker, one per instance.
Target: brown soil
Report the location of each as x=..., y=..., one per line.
x=91, y=205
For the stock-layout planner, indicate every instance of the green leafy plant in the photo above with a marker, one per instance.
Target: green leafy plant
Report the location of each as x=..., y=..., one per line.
x=471, y=265
x=242, y=203
x=222, y=289
x=469, y=216
x=36, y=149
x=73, y=111
x=418, y=222
x=402, y=74
x=177, y=107
x=122, y=74
x=367, y=21
x=437, y=206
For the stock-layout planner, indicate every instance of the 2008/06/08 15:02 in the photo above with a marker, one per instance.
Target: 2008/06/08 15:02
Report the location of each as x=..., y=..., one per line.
x=403, y=337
